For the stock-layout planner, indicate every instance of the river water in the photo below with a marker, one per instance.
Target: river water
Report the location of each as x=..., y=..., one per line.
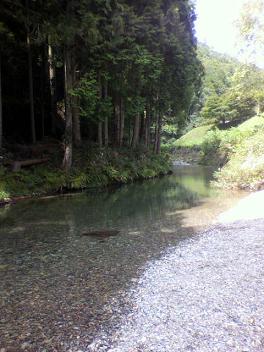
x=59, y=290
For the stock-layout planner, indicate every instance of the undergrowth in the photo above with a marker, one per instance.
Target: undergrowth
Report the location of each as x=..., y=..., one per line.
x=245, y=168
x=99, y=168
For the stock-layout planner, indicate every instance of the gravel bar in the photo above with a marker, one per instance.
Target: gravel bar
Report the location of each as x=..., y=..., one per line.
x=205, y=295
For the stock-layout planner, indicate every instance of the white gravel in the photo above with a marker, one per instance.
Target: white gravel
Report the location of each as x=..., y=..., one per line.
x=204, y=295
x=249, y=208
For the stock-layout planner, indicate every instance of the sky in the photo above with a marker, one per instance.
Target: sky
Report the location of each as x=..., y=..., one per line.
x=215, y=25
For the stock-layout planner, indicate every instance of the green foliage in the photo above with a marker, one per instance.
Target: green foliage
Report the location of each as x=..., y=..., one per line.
x=91, y=105
x=227, y=109
x=109, y=168
x=231, y=93
x=245, y=168
x=219, y=145
x=219, y=70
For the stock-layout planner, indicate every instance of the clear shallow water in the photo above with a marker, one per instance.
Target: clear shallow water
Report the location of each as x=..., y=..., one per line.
x=59, y=289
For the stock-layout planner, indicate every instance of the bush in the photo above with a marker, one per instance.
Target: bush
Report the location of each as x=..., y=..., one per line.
x=245, y=169
x=101, y=169
x=219, y=145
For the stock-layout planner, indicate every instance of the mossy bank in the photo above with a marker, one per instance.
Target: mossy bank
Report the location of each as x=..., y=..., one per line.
x=96, y=168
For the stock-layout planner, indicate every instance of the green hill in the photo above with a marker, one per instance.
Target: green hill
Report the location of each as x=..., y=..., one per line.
x=253, y=123
x=193, y=138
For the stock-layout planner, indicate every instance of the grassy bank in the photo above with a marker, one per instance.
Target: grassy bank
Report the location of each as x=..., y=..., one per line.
x=236, y=152
x=93, y=168
x=239, y=153
x=245, y=167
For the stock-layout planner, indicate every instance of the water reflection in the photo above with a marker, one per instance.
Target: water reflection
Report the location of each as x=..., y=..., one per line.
x=136, y=205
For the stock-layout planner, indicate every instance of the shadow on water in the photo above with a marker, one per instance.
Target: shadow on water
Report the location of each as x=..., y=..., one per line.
x=57, y=286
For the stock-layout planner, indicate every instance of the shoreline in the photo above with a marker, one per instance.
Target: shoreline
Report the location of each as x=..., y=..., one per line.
x=75, y=192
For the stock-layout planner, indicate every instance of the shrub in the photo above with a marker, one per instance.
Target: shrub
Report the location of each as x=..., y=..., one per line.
x=219, y=145
x=245, y=169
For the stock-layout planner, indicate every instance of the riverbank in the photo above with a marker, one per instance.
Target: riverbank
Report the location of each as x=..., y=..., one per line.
x=93, y=169
x=237, y=153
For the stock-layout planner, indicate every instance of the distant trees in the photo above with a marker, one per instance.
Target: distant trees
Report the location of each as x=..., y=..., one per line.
x=251, y=27
x=232, y=92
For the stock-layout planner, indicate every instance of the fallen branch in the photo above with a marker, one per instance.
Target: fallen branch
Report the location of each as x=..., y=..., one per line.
x=17, y=165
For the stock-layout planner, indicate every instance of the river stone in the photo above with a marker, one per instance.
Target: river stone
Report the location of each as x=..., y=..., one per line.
x=101, y=233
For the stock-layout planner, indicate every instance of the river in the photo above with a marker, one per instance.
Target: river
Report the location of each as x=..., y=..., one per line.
x=59, y=290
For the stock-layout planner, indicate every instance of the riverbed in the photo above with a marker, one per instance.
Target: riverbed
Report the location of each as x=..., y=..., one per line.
x=61, y=291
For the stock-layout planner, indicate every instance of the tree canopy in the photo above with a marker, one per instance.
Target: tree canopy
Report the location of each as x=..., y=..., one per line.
x=107, y=71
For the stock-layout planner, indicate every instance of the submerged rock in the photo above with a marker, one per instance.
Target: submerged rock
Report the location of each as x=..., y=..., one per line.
x=101, y=233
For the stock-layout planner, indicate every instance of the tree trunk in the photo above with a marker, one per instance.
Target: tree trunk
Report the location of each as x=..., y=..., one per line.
x=67, y=160
x=117, y=122
x=122, y=122
x=142, y=128
x=1, y=105
x=100, y=134
x=42, y=92
x=147, y=128
x=77, y=139
x=136, y=131
x=106, y=134
x=100, y=124
x=31, y=90
x=52, y=86
x=157, y=134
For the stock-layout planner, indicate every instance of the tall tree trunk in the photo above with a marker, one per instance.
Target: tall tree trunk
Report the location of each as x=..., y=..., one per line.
x=77, y=139
x=135, y=139
x=117, y=122
x=122, y=121
x=100, y=124
x=30, y=79
x=147, y=128
x=142, y=127
x=106, y=133
x=100, y=134
x=42, y=91
x=52, y=86
x=159, y=136
x=67, y=160
x=157, y=133
x=1, y=105
x=129, y=133
x=31, y=89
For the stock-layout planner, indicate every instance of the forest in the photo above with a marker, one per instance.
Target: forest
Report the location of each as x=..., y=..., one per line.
x=81, y=75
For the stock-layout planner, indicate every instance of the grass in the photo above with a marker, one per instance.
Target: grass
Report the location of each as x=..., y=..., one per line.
x=194, y=138
x=101, y=168
x=253, y=123
x=245, y=168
